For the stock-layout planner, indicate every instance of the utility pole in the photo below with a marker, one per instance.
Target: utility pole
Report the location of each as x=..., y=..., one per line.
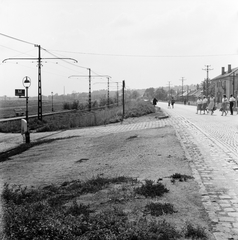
x=108, y=98
x=123, y=99
x=39, y=84
x=90, y=78
x=117, y=93
x=169, y=90
x=182, y=86
x=89, y=90
x=207, y=70
x=39, y=59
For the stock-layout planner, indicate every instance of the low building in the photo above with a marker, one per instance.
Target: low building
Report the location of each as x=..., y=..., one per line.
x=226, y=83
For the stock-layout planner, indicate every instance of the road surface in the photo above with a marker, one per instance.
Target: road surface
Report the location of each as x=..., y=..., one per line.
x=211, y=143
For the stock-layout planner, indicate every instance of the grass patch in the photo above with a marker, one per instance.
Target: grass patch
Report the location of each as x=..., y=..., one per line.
x=78, y=119
x=151, y=189
x=194, y=232
x=42, y=213
x=180, y=177
x=158, y=209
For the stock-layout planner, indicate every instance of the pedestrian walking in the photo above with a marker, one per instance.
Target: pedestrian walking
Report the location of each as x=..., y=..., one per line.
x=232, y=102
x=155, y=101
x=199, y=105
x=172, y=102
x=204, y=104
x=211, y=105
x=168, y=103
x=224, y=103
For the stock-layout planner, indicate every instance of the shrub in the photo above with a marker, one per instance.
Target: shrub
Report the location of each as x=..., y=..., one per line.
x=75, y=104
x=180, y=177
x=194, y=232
x=151, y=189
x=157, y=209
x=66, y=106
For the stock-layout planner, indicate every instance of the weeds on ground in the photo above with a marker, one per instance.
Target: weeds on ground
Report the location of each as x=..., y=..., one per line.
x=180, y=177
x=151, y=189
x=158, y=209
x=42, y=213
x=194, y=232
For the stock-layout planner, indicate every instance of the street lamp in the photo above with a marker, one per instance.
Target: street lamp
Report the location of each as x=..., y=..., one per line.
x=52, y=102
x=27, y=83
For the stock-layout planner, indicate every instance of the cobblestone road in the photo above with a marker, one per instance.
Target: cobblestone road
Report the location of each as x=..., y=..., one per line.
x=210, y=143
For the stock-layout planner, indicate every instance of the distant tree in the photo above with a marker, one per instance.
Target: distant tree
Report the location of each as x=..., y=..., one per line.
x=134, y=94
x=161, y=94
x=149, y=93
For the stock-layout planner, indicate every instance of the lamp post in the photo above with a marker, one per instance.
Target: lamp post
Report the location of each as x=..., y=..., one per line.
x=52, y=102
x=27, y=83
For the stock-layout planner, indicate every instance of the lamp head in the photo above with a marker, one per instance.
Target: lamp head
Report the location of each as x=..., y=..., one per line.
x=26, y=82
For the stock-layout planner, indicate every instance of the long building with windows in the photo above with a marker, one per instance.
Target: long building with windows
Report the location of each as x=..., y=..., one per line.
x=226, y=83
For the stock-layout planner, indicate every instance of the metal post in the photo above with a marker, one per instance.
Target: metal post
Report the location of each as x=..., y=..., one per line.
x=117, y=95
x=89, y=93
x=108, y=92
x=39, y=85
x=52, y=102
x=27, y=134
x=123, y=99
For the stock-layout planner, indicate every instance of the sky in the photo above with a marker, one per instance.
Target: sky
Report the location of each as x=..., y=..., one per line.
x=147, y=43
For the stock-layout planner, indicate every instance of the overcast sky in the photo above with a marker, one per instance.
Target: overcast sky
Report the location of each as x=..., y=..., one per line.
x=147, y=43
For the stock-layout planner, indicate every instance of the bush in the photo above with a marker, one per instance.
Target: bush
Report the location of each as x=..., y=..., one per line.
x=194, y=232
x=157, y=209
x=66, y=106
x=151, y=189
x=180, y=177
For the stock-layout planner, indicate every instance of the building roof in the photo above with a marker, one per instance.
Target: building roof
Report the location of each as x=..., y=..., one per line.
x=195, y=93
x=226, y=74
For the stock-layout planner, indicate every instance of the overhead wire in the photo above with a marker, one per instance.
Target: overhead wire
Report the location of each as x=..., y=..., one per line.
x=148, y=56
x=17, y=39
x=54, y=55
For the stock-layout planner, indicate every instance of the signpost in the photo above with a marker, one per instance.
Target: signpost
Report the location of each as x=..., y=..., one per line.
x=20, y=92
x=26, y=81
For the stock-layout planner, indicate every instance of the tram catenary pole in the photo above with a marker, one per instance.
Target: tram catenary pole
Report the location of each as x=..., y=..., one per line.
x=90, y=79
x=39, y=59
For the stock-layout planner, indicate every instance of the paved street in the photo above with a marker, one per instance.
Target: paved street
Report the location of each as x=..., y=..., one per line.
x=210, y=143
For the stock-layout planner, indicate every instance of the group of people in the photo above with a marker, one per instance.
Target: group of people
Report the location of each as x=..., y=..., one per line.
x=208, y=105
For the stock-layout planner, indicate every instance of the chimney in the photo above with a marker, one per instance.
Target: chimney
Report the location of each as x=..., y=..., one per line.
x=229, y=68
x=222, y=70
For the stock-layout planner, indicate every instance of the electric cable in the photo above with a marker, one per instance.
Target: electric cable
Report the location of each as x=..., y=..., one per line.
x=149, y=56
x=17, y=39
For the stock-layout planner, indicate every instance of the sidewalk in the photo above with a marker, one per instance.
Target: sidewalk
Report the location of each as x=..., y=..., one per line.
x=11, y=140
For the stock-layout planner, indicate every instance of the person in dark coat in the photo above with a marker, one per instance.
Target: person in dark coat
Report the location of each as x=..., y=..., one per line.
x=155, y=101
x=172, y=102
